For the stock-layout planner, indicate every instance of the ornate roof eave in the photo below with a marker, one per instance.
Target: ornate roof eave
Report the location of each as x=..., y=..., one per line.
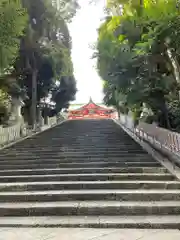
x=86, y=106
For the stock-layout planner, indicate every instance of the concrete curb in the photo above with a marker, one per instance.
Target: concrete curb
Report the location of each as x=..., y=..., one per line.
x=31, y=135
x=157, y=154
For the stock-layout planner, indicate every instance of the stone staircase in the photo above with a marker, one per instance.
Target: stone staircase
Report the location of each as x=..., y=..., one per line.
x=86, y=173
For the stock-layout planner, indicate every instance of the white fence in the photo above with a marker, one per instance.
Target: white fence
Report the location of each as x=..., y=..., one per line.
x=18, y=131
x=10, y=134
x=52, y=121
x=127, y=121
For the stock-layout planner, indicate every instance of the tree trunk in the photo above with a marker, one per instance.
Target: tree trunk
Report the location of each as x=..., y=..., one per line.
x=165, y=119
x=175, y=66
x=160, y=110
x=34, y=99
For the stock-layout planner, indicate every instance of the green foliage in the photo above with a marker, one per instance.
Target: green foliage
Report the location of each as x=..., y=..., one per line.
x=13, y=20
x=68, y=8
x=138, y=56
x=35, y=41
x=4, y=105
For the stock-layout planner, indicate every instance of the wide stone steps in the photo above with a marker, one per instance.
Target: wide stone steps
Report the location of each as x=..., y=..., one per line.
x=76, y=157
x=89, y=177
x=94, y=195
x=49, y=171
x=79, y=164
x=71, y=148
x=49, y=152
x=86, y=174
x=77, y=161
x=131, y=221
x=59, y=165
x=76, y=185
x=90, y=208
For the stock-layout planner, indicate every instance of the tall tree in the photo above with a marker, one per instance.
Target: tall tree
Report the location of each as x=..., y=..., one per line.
x=45, y=52
x=138, y=53
x=13, y=22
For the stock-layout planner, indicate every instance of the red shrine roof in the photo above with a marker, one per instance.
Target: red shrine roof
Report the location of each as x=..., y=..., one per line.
x=91, y=111
x=91, y=105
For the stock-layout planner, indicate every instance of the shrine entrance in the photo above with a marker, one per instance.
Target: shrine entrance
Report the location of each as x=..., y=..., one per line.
x=92, y=111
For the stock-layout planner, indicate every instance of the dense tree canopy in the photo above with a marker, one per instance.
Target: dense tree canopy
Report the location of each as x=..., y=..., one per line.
x=138, y=58
x=13, y=21
x=35, y=48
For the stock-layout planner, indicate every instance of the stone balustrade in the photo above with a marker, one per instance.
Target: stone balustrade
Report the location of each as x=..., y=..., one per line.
x=165, y=138
x=127, y=121
x=153, y=134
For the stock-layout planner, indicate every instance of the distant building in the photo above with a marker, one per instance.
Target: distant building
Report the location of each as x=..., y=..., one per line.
x=91, y=111
x=74, y=106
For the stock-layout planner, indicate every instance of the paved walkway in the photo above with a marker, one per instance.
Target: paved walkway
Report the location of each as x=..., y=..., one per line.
x=87, y=234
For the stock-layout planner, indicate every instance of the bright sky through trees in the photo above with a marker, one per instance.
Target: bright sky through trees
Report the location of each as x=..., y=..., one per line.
x=83, y=30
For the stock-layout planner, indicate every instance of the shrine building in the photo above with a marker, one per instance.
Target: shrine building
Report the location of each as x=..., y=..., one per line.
x=92, y=111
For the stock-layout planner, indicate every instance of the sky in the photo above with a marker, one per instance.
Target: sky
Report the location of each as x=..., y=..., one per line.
x=83, y=30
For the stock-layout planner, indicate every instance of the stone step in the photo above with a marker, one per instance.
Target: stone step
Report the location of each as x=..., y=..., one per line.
x=77, y=148
x=73, y=151
x=89, y=177
x=75, y=156
x=47, y=171
x=95, y=133
x=78, y=159
x=56, y=155
x=90, y=208
x=85, y=185
x=130, y=222
x=61, y=160
x=90, y=139
x=58, y=164
x=145, y=195
x=31, y=142
x=62, y=147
